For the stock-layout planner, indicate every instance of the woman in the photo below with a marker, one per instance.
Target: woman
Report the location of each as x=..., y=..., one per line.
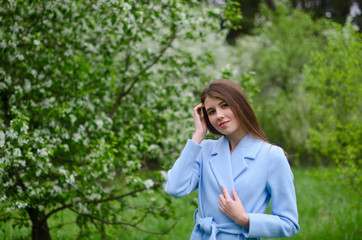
x=237, y=174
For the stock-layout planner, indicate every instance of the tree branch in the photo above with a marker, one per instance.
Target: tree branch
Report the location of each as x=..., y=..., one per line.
x=112, y=198
x=15, y=218
x=128, y=55
x=143, y=71
x=125, y=224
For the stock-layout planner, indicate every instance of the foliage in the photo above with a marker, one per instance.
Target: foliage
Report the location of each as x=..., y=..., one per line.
x=325, y=212
x=90, y=94
x=289, y=36
x=277, y=53
x=232, y=15
x=333, y=81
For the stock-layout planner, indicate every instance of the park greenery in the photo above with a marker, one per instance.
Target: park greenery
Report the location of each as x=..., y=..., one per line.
x=96, y=100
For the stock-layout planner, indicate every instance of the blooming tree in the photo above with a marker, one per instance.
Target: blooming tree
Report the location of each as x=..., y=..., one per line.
x=91, y=93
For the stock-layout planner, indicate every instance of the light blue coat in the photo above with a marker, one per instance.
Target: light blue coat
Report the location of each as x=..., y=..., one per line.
x=257, y=170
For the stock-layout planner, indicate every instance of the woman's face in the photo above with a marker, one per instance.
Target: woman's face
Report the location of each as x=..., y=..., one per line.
x=222, y=117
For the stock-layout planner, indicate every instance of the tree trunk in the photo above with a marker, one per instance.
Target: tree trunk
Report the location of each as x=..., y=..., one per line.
x=40, y=229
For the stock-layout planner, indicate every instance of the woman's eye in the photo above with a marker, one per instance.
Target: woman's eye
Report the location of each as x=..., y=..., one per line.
x=225, y=105
x=211, y=112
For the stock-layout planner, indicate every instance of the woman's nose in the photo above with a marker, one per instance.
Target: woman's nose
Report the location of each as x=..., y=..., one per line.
x=219, y=114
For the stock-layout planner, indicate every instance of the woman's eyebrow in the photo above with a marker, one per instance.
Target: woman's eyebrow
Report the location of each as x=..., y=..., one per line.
x=220, y=103
x=210, y=108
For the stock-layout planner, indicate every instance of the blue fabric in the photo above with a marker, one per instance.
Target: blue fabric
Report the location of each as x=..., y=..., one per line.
x=257, y=170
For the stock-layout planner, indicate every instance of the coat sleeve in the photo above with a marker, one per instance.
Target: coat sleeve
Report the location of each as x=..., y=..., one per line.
x=183, y=178
x=284, y=219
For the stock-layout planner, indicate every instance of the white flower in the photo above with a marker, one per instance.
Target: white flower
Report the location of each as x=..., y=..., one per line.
x=21, y=162
x=127, y=7
x=2, y=139
x=20, y=56
x=21, y=205
x=34, y=73
x=11, y=134
x=36, y=42
x=3, y=198
x=76, y=137
x=163, y=174
x=8, y=80
x=2, y=160
x=99, y=123
x=17, y=152
x=63, y=171
x=24, y=128
x=73, y=118
x=43, y=152
x=70, y=180
x=148, y=183
x=58, y=189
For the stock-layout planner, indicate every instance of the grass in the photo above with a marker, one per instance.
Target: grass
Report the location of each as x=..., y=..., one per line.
x=325, y=212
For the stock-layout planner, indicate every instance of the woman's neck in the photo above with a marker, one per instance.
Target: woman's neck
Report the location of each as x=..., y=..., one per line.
x=235, y=138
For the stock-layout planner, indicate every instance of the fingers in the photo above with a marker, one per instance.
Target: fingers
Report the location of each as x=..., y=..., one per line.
x=225, y=191
x=235, y=195
x=198, y=108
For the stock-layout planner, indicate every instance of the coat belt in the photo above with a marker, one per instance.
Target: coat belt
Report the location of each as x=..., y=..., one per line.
x=209, y=226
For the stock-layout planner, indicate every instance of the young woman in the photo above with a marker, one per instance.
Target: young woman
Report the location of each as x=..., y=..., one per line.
x=237, y=174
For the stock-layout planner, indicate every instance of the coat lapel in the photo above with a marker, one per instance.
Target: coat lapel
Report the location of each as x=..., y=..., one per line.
x=247, y=149
x=227, y=168
x=220, y=163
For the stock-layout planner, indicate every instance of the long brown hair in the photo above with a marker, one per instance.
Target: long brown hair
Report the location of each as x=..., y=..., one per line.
x=231, y=93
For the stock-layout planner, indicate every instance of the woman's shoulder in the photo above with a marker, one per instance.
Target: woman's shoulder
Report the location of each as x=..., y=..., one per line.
x=276, y=157
x=209, y=143
x=273, y=152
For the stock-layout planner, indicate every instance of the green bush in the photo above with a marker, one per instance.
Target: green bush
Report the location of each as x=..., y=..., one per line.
x=333, y=81
x=281, y=46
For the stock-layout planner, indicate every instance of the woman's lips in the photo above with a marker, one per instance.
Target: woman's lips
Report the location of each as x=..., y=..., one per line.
x=223, y=124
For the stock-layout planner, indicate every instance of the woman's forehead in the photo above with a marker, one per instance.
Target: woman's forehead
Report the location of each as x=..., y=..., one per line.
x=212, y=101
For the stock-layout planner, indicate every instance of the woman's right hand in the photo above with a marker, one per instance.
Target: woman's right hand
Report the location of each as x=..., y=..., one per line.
x=200, y=124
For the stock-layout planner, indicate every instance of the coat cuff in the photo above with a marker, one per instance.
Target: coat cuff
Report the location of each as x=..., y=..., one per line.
x=268, y=226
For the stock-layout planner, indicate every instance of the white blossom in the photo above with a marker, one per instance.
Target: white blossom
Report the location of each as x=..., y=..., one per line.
x=58, y=189
x=3, y=160
x=3, y=198
x=63, y=171
x=24, y=128
x=8, y=80
x=20, y=56
x=36, y=42
x=127, y=7
x=34, y=73
x=38, y=172
x=12, y=134
x=76, y=137
x=70, y=180
x=73, y=118
x=163, y=174
x=48, y=84
x=99, y=123
x=21, y=162
x=2, y=139
x=2, y=86
x=43, y=152
x=148, y=183
x=17, y=152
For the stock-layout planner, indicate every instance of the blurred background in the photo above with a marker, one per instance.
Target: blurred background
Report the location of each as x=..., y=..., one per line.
x=97, y=98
